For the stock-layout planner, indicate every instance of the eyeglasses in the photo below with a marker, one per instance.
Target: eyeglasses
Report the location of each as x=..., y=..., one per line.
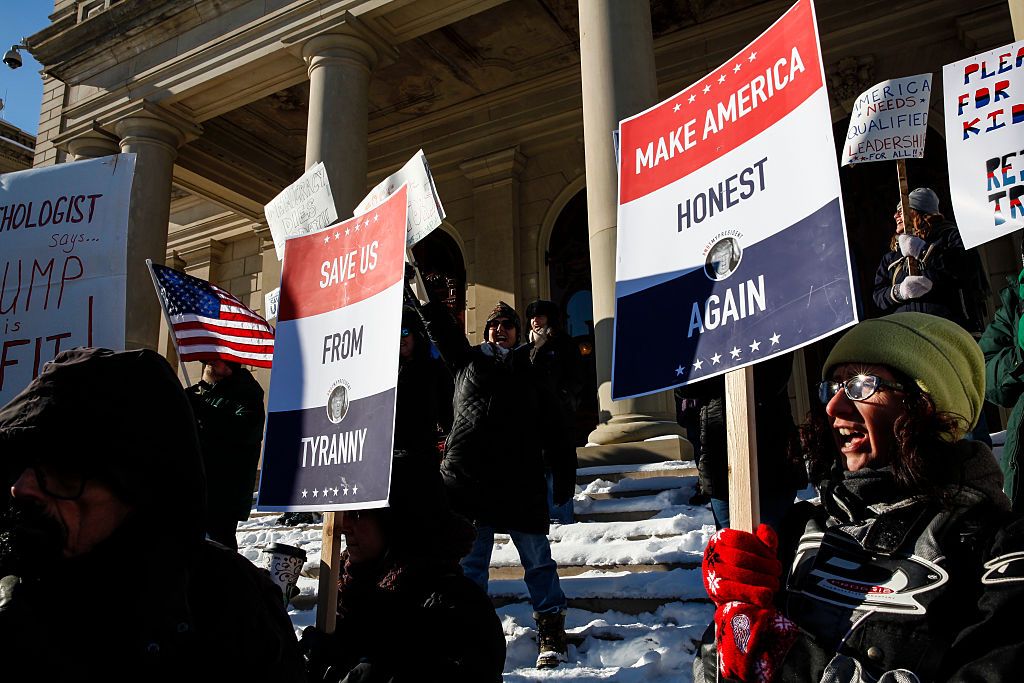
x=857, y=388
x=503, y=323
x=406, y=332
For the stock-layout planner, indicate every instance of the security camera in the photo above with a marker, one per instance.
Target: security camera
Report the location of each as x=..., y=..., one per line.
x=12, y=57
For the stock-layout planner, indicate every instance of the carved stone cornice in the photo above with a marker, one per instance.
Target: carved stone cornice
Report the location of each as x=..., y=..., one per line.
x=495, y=167
x=848, y=78
x=205, y=253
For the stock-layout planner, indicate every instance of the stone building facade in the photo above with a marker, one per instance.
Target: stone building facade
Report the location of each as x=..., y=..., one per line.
x=16, y=148
x=513, y=101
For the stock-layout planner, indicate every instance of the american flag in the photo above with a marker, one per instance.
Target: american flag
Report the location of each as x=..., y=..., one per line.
x=209, y=323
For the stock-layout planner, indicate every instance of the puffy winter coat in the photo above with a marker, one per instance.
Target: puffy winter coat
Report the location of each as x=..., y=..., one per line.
x=1004, y=381
x=493, y=469
x=953, y=271
x=230, y=418
x=878, y=581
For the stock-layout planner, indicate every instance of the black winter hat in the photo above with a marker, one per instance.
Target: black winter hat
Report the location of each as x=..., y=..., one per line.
x=127, y=417
x=543, y=307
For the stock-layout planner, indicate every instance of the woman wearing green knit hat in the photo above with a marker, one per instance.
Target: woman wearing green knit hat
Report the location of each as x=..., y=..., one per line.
x=910, y=564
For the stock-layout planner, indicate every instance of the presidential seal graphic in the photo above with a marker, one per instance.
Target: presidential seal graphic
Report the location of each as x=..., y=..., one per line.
x=337, y=401
x=723, y=258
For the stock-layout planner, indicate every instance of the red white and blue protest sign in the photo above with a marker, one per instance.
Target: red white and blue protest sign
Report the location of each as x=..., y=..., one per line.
x=331, y=410
x=731, y=240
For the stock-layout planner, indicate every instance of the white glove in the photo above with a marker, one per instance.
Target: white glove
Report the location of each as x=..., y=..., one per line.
x=913, y=286
x=911, y=245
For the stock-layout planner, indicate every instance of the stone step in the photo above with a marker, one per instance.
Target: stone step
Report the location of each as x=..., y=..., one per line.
x=516, y=572
x=602, y=489
x=614, y=473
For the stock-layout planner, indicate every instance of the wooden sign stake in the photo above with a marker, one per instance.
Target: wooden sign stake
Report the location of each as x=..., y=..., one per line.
x=330, y=572
x=744, y=505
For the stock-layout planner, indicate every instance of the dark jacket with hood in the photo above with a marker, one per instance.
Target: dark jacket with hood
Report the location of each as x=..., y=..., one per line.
x=879, y=581
x=1004, y=382
x=154, y=601
x=954, y=273
x=230, y=418
x=493, y=468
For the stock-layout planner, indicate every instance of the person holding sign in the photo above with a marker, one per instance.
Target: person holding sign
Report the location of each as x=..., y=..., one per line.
x=493, y=466
x=910, y=565
x=927, y=268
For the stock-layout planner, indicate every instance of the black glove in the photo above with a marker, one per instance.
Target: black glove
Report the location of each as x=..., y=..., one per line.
x=319, y=649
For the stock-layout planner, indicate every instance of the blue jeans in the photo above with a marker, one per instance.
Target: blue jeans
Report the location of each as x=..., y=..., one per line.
x=562, y=514
x=535, y=553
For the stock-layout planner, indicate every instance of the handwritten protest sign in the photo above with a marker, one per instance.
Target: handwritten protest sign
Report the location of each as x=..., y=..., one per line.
x=731, y=240
x=303, y=207
x=425, y=210
x=889, y=121
x=331, y=410
x=984, y=110
x=63, y=258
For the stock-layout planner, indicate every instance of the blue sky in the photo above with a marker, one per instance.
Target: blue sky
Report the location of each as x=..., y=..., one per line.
x=22, y=89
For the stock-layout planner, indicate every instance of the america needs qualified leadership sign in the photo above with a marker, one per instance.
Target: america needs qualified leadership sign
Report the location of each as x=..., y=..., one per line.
x=731, y=240
x=331, y=410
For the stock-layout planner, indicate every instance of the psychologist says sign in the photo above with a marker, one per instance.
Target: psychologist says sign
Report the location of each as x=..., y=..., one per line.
x=425, y=210
x=331, y=410
x=984, y=112
x=731, y=241
x=889, y=121
x=63, y=260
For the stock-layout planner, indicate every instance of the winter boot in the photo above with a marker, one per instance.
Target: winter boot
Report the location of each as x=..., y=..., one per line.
x=550, y=639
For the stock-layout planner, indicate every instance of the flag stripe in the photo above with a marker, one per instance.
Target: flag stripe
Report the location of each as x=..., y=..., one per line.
x=185, y=336
x=223, y=329
x=217, y=353
x=189, y=344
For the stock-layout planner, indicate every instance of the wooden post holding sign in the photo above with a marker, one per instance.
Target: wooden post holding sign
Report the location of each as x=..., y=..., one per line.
x=330, y=572
x=744, y=505
x=901, y=175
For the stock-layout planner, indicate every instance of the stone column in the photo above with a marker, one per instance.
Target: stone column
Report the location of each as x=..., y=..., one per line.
x=1017, y=18
x=339, y=82
x=92, y=145
x=618, y=75
x=495, y=179
x=155, y=143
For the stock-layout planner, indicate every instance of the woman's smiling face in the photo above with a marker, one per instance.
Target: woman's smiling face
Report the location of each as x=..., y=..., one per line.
x=863, y=430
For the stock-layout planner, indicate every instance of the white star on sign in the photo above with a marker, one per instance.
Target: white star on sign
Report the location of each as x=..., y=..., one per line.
x=755, y=345
x=707, y=89
x=775, y=338
x=357, y=227
x=335, y=490
x=752, y=57
x=337, y=236
x=304, y=492
x=716, y=358
x=375, y=217
x=679, y=371
x=697, y=363
x=355, y=490
x=736, y=69
x=345, y=491
x=315, y=492
x=676, y=108
x=327, y=238
x=721, y=79
x=692, y=98
x=348, y=231
x=735, y=353
x=326, y=491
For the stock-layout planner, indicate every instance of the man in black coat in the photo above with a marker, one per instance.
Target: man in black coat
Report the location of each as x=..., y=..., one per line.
x=228, y=404
x=557, y=366
x=104, y=570
x=493, y=468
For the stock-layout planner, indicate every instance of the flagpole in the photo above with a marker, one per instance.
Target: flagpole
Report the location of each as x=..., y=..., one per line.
x=167, y=317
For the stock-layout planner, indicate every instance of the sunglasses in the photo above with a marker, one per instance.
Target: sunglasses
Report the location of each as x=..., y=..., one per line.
x=63, y=482
x=406, y=332
x=857, y=388
x=503, y=323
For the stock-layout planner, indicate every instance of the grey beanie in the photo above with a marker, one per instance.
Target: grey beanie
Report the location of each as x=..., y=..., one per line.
x=923, y=199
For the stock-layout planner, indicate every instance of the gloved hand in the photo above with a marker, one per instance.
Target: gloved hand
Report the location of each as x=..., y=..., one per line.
x=319, y=651
x=913, y=286
x=911, y=245
x=752, y=641
x=739, y=565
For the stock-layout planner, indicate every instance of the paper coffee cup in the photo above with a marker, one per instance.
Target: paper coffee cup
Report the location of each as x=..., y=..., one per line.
x=285, y=565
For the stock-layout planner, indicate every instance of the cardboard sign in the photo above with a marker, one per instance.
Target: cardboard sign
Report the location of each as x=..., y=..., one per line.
x=63, y=263
x=425, y=210
x=889, y=121
x=271, y=301
x=731, y=240
x=331, y=409
x=984, y=112
x=304, y=207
